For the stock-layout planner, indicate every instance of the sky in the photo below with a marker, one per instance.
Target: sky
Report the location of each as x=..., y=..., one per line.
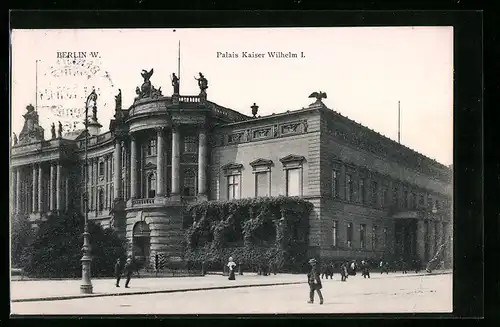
x=365, y=71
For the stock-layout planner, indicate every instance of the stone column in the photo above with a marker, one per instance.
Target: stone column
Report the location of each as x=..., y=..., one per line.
x=421, y=239
x=34, y=189
x=66, y=189
x=95, y=169
x=18, y=190
x=160, y=163
x=58, y=187
x=175, y=161
x=52, y=183
x=40, y=190
x=202, y=163
x=431, y=239
x=133, y=167
x=118, y=170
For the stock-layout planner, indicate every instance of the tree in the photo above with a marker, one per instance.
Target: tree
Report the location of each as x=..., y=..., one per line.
x=22, y=234
x=56, y=249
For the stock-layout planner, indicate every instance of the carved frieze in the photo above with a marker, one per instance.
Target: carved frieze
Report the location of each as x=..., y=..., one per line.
x=235, y=138
x=262, y=133
x=291, y=128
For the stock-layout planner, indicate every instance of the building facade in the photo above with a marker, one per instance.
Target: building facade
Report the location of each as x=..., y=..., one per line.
x=372, y=196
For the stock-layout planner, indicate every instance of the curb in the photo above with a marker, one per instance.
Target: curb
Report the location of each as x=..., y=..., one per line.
x=72, y=297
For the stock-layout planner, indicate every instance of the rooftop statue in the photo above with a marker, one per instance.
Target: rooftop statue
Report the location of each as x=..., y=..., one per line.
x=147, y=90
x=318, y=95
x=53, y=131
x=202, y=83
x=175, y=83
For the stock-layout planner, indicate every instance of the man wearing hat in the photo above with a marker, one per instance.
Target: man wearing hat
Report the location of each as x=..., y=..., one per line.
x=314, y=281
x=128, y=269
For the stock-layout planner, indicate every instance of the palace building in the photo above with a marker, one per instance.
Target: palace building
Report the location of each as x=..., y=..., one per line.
x=372, y=196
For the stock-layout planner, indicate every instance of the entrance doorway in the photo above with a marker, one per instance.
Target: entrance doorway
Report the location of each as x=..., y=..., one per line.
x=406, y=239
x=141, y=241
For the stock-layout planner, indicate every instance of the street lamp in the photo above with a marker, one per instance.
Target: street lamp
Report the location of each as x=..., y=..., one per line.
x=86, y=286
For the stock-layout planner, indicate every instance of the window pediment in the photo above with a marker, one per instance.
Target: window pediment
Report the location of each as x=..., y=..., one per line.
x=261, y=162
x=232, y=166
x=150, y=165
x=292, y=158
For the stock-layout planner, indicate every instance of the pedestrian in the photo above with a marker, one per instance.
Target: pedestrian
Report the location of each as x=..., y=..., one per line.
x=128, y=269
x=366, y=269
x=329, y=271
x=231, y=265
x=314, y=282
x=343, y=272
x=118, y=272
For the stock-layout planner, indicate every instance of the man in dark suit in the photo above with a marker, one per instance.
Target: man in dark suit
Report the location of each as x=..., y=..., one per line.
x=128, y=269
x=314, y=282
x=118, y=272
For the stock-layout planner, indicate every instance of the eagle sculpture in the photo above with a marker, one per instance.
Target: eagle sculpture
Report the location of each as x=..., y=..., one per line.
x=318, y=95
x=147, y=75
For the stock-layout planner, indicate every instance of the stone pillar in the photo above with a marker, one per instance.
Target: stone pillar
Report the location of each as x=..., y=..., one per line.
x=58, y=187
x=160, y=163
x=52, y=183
x=175, y=161
x=95, y=169
x=133, y=167
x=34, y=189
x=18, y=190
x=421, y=239
x=118, y=170
x=40, y=190
x=202, y=163
x=431, y=239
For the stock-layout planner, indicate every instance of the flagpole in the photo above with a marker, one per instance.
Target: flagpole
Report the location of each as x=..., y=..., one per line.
x=399, y=122
x=179, y=66
x=36, y=85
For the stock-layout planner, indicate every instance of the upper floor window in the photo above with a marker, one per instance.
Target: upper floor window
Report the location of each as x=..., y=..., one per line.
x=349, y=234
x=100, y=196
x=374, y=192
x=262, y=174
x=348, y=187
x=362, y=235
x=233, y=187
x=374, y=237
x=385, y=199
x=405, y=199
x=335, y=233
x=101, y=168
x=190, y=144
x=151, y=186
x=421, y=201
x=395, y=197
x=362, y=190
x=189, y=183
x=232, y=172
x=414, y=200
x=292, y=164
x=151, y=148
x=335, y=183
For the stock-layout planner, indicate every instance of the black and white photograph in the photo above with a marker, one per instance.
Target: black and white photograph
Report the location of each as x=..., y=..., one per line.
x=231, y=170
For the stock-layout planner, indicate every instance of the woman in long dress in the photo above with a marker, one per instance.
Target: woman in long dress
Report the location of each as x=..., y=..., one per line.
x=231, y=265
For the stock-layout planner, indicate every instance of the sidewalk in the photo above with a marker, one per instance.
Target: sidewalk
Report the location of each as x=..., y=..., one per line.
x=51, y=290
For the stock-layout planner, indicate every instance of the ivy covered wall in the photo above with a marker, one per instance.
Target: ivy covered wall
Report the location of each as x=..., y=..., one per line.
x=256, y=232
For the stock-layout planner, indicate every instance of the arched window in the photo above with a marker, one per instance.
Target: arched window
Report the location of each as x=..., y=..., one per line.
x=189, y=183
x=151, y=185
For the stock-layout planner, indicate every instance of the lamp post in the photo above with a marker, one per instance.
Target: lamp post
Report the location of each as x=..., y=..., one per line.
x=86, y=286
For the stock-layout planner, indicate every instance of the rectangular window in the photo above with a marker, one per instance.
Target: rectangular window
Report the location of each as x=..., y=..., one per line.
x=335, y=233
x=405, y=199
x=384, y=196
x=293, y=182
x=101, y=168
x=362, y=190
x=421, y=202
x=414, y=200
x=374, y=192
x=335, y=184
x=190, y=144
x=151, y=151
x=395, y=197
x=262, y=183
x=349, y=234
x=362, y=236
x=385, y=238
x=348, y=187
x=429, y=201
x=374, y=237
x=233, y=187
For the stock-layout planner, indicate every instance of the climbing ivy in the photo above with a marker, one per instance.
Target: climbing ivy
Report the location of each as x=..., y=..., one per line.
x=214, y=222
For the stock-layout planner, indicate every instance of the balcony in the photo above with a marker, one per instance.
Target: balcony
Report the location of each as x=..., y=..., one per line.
x=160, y=202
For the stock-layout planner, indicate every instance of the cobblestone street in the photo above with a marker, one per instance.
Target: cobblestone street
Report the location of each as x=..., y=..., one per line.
x=380, y=294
